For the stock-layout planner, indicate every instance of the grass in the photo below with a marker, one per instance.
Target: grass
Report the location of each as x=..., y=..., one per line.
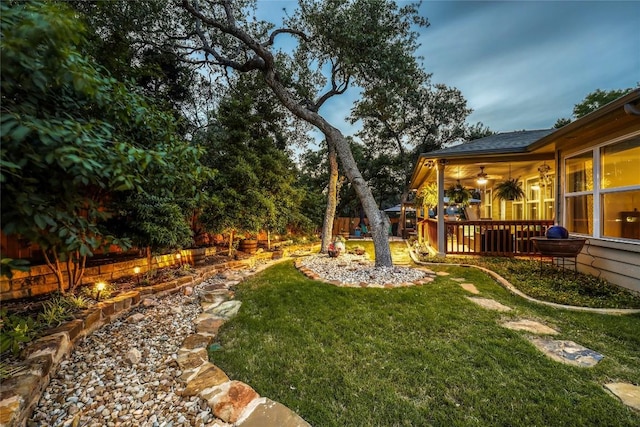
x=552, y=283
x=420, y=356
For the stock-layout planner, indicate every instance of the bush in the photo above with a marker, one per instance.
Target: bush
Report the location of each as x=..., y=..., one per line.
x=15, y=331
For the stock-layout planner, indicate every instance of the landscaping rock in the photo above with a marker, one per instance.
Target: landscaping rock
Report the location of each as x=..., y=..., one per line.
x=568, y=352
x=270, y=413
x=629, y=394
x=136, y=318
x=489, y=304
x=530, y=326
x=133, y=356
x=470, y=287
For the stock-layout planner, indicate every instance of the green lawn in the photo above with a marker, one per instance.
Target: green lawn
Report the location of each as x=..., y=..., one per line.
x=420, y=356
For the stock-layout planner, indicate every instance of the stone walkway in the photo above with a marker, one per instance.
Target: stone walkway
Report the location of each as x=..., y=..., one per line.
x=563, y=351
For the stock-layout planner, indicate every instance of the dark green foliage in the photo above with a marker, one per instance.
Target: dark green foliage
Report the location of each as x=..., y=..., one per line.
x=255, y=187
x=75, y=142
x=15, y=331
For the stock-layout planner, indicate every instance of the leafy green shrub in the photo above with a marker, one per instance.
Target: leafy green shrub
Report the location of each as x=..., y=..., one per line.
x=15, y=331
x=55, y=311
x=76, y=302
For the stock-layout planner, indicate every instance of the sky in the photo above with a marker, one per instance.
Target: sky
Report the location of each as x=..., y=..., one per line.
x=519, y=64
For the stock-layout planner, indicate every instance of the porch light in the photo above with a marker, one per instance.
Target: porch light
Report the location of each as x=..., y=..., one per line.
x=482, y=176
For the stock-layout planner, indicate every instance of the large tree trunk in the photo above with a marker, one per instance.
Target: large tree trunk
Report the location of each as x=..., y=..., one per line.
x=332, y=198
x=378, y=220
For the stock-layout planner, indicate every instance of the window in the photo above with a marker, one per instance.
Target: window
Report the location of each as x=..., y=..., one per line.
x=603, y=191
x=620, y=189
x=487, y=204
x=533, y=198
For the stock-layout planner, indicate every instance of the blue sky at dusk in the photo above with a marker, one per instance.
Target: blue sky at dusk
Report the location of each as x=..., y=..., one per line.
x=519, y=64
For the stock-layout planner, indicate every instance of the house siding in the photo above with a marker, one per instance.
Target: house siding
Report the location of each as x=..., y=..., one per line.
x=615, y=262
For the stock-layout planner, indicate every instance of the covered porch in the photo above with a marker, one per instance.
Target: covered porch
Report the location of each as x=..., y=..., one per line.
x=496, y=226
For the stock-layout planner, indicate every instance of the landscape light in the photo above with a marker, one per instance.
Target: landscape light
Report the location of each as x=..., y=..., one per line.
x=100, y=286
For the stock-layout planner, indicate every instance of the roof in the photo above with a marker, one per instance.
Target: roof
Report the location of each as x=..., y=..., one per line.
x=507, y=142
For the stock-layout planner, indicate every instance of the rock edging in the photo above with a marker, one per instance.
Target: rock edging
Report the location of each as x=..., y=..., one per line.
x=20, y=393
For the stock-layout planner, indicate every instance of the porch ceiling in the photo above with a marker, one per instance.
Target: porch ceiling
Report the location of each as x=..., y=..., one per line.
x=497, y=169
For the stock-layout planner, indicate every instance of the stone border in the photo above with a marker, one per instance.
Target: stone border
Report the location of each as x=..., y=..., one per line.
x=20, y=393
x=507, y=285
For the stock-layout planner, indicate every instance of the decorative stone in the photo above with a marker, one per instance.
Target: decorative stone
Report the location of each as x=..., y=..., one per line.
x=9, y=410
x=227, y=310
x=209, y=324
x=56, y=346
x=230, y=400
x=270, y=413
x=489, y=304
x=530, y=326
x=458, y=279
x=209, y=376
x=442, y=273
x=192, y=359
x=567, y=352
x=187, y=291
x=470, y=287
x=194, y=341
x=133, y=356
x=629, y=394
x=136, y=318
x=149, y=302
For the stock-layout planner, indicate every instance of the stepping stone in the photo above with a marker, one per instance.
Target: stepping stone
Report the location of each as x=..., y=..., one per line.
x=568, y=352
x=459, y=279
x=470, y=287
x=442, y=273
x=270, y=413
x=489, y=304
x=628, y=393
x=530, y=326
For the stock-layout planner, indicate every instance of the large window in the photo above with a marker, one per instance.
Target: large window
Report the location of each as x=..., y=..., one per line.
x=603, y=191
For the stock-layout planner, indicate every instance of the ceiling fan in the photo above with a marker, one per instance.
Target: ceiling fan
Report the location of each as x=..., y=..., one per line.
x=483, y=177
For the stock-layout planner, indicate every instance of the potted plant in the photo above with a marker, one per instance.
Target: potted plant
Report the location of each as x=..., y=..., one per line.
x=509, y=189
x=333, y=251
x=459, y=194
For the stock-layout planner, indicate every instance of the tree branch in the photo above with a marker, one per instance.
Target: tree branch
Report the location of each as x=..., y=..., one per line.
x=272, y=37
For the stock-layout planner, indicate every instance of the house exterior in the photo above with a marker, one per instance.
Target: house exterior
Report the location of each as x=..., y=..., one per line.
x=584, y=176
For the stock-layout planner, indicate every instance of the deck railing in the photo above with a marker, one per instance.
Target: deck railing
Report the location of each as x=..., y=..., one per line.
x=487, y=237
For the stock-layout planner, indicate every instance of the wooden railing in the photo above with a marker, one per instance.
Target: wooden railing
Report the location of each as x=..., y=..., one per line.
x=487, y=237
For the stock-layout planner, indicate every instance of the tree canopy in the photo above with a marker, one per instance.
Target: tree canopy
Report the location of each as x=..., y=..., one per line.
x=74, y=139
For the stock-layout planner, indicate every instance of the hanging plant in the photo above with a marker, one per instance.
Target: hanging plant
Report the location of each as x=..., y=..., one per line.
x=459, y=194
x=428, y=196
x=510, y=189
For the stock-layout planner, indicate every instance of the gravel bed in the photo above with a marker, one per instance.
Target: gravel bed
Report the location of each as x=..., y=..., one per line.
x=352, y=270
x=106, y=382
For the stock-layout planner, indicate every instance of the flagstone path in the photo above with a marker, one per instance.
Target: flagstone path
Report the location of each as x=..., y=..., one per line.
x=563, y=351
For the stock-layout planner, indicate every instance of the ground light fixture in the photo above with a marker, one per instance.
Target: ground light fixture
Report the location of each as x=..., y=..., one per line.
x=179, y=258
x=136, y=271
x=100, y=286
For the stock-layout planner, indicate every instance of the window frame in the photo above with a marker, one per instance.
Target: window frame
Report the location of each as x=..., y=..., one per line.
x=597, y=191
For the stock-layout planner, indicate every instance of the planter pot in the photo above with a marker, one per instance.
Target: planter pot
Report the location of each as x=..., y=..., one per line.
x=570, y=247
x=249, y=246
